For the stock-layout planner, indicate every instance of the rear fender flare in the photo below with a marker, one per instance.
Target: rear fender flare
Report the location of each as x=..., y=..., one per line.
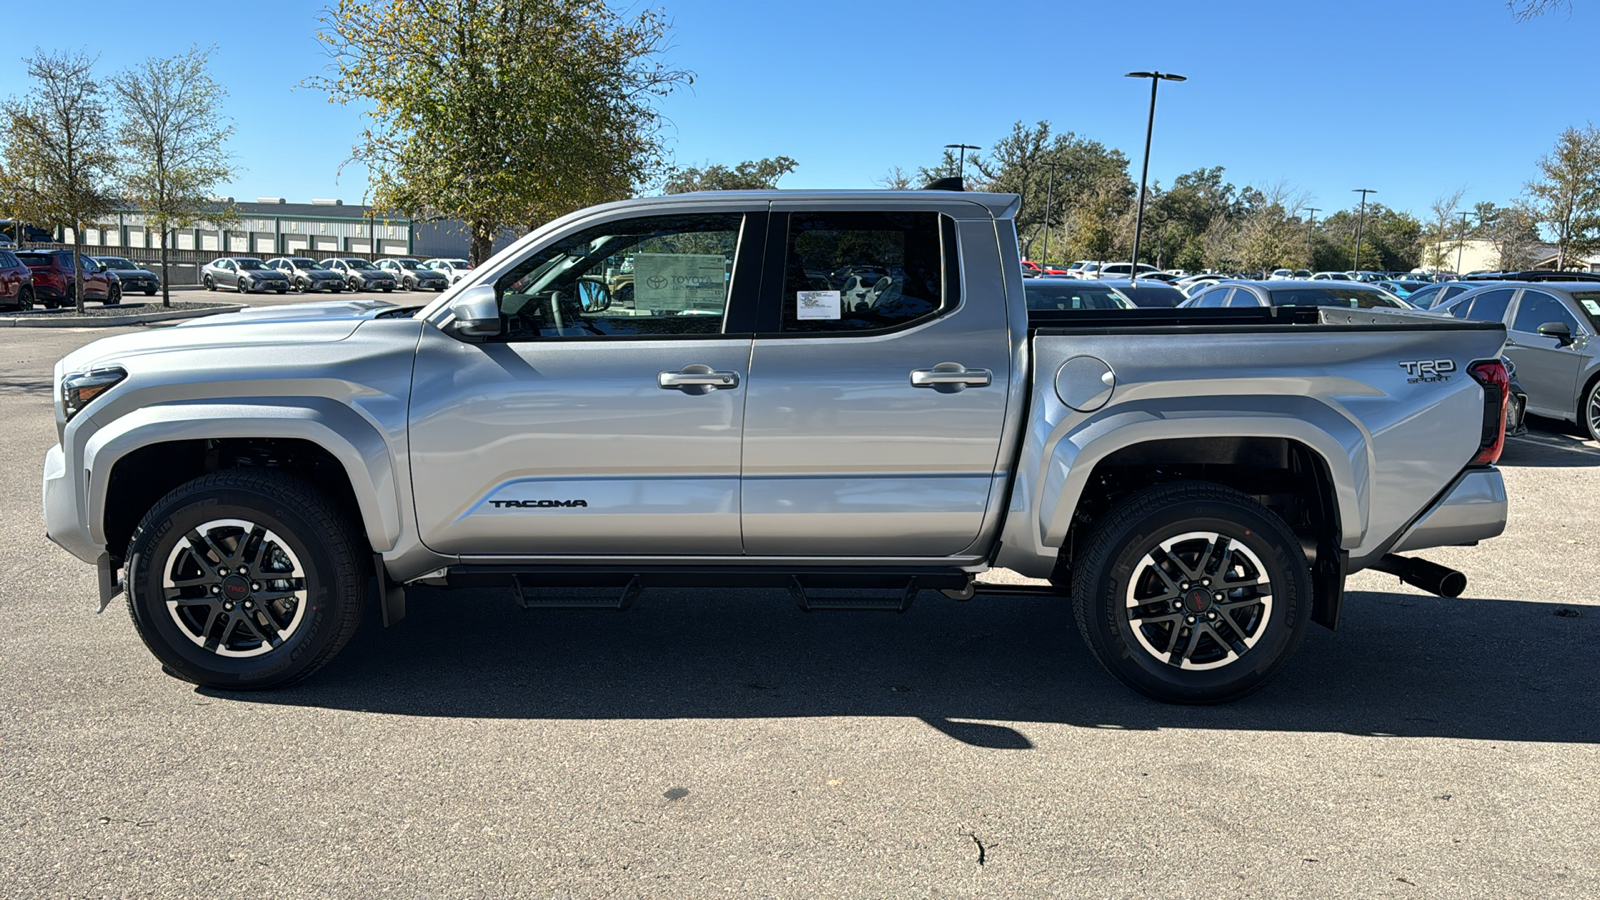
x=1341, y=444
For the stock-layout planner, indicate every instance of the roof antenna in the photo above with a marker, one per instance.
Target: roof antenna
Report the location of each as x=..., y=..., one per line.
x=951, y=183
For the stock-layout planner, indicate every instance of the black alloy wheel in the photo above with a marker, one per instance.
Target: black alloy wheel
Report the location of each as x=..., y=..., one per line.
x=24, y=298
x=1591, y=411
x=238, y=284
x=113, y=295
x=245, y=579
x=208, y=284
x=1191, y=592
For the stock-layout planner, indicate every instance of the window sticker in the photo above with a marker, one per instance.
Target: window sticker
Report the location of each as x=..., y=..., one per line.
x=680, y=282
x=1592, y=307
x=817, y=304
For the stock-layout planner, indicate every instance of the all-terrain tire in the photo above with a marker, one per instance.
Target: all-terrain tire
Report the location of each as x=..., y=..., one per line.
x=295, y=529
x=1181, y=623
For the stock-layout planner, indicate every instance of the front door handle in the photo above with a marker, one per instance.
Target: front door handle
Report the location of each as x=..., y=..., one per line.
x=697, y=379
x=949, y=377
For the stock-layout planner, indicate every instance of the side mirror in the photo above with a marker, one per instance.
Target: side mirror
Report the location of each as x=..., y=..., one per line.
x=593, y=296
x=476, y=312
x=1557, y=330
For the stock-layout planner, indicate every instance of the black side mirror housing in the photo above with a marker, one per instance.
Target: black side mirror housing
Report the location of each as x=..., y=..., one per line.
x=1557, y=330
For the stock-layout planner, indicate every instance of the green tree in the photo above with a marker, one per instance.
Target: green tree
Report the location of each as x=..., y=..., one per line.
x=750, y=175
x=1566, y=196
x=1061, y=169
x=174, y=145
x=60, y=159
x=502, y=113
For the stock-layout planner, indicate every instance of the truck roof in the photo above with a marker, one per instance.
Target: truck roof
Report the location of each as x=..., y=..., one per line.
x=1001, y=206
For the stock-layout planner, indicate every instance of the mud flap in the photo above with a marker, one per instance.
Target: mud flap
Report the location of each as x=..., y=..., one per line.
x=391, y=596
x=110, y=581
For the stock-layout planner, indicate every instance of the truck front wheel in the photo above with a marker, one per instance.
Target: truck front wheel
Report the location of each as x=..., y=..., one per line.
x=1192, y=593
x=244, y=580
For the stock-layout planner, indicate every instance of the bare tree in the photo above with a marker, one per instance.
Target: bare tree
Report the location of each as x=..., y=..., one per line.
x=1566, y=196
x=174, y=144
x=1523, y=10
x=896, y=179
x=60, y=161
x=1442, y=235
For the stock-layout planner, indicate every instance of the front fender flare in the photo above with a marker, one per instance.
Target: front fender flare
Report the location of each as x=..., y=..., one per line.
x=355, y=442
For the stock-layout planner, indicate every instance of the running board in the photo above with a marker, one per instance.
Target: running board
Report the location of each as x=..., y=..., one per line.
x=537, y=596
x=852, y=599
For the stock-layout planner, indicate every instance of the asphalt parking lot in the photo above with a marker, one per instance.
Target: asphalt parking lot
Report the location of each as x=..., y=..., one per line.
x=704, y=744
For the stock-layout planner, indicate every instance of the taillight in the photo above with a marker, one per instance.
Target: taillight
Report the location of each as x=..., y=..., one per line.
x=1496, y=381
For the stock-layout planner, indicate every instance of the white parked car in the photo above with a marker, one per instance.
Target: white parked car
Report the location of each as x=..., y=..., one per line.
x=453, y=269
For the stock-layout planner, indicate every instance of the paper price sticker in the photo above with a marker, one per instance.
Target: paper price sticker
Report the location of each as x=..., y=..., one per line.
x=1592, y=307
x=817, y=304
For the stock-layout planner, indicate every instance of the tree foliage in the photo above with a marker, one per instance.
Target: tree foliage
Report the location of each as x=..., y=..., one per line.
x=1063, y=170
x=501, y=113
x=1566, y=195
x=750, y=175
x=174, y=145
x=57, y=142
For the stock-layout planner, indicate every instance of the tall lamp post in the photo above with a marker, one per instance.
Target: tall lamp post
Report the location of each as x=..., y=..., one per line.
x=961, y=157
x=1355, y=261
x=1461, y=243
x=1311, y=230
x=1144, y=173
x=1049, y=195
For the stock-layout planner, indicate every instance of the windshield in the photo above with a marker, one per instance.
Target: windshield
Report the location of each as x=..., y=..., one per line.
x=409, y=265
x=1346, y=297
x=1072, y=295
x=115, y=262
x=453, y=263
x=1153, y=296
x=249, y=264
x=359, y=264
x=301, y=263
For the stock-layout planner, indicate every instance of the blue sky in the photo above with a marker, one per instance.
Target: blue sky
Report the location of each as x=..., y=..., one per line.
x=1323, y=96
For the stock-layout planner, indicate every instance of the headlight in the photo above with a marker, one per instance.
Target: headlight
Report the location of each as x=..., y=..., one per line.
x=78, y=391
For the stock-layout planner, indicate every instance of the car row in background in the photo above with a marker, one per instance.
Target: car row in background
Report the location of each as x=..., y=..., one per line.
x=247, y=274
x=1110, y=293
x=1345, y=295
x=54, y=283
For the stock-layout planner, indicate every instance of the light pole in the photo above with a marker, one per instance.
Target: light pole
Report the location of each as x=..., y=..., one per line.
x=1355, y=262
x=1150, y=126
x=1311, y=231
x=1461, y=243
x=1049, y=194
x=961, y=157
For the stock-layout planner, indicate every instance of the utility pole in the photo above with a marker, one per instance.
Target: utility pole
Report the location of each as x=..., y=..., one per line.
x=961, y=157
x=1144, y=173
x=1461, y=243
x=1049, y=194
x=1355, y=261
x=1311, y=230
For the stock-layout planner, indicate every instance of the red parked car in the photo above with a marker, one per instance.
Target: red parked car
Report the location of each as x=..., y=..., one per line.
x=16, y=281
x=53, y=283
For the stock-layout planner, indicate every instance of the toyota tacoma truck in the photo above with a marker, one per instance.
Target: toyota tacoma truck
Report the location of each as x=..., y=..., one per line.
x=837, y=394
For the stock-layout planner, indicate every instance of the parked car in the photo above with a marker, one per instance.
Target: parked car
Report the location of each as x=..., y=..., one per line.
x=54, y=285
x=133, y=276
x=1531, y=275
x=1295, y=293
x=1331, y=276
x=245, y=274
x=412, y=275
x=1402, y=288
x=1439, y=293
x=16, y=281
x=457, y=269
x=1073, y=293
x=1123, y=270
x=360, y=275
x=307, y=275
x=1281, y=275
x=1145, y=293
x=1197, y=490
x=1550, y=336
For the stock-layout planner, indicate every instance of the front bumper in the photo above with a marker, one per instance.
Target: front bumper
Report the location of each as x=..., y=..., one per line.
x=1472, y=509
x=63, y=509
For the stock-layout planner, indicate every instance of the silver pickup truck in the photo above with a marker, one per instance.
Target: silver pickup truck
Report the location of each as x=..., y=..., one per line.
x=838, y=394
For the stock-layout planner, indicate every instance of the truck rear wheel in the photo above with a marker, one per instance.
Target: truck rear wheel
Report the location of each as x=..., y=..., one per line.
x=244, y=580
x=1192, y=593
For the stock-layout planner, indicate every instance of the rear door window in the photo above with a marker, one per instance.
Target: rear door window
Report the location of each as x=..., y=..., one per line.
x=866, y=271
x=1215, y=298
x=1489, y=306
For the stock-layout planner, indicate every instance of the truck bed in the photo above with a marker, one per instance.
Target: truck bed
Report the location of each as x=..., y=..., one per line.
x=1202, y=321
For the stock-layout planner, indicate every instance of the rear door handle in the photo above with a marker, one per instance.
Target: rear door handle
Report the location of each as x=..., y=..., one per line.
x=948, y=376
x=697, y=379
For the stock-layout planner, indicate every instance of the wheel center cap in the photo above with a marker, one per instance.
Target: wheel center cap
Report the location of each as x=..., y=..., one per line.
x=235, y=587
x=1197, y=600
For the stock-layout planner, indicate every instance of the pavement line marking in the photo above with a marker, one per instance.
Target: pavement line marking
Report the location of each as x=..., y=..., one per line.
x=1555, y=444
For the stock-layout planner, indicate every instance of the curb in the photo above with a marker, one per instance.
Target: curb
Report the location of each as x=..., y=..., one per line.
x=113, y=321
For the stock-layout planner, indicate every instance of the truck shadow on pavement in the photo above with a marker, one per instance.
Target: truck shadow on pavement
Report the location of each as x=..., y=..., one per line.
x=1402, y=665
x=1550, y=443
